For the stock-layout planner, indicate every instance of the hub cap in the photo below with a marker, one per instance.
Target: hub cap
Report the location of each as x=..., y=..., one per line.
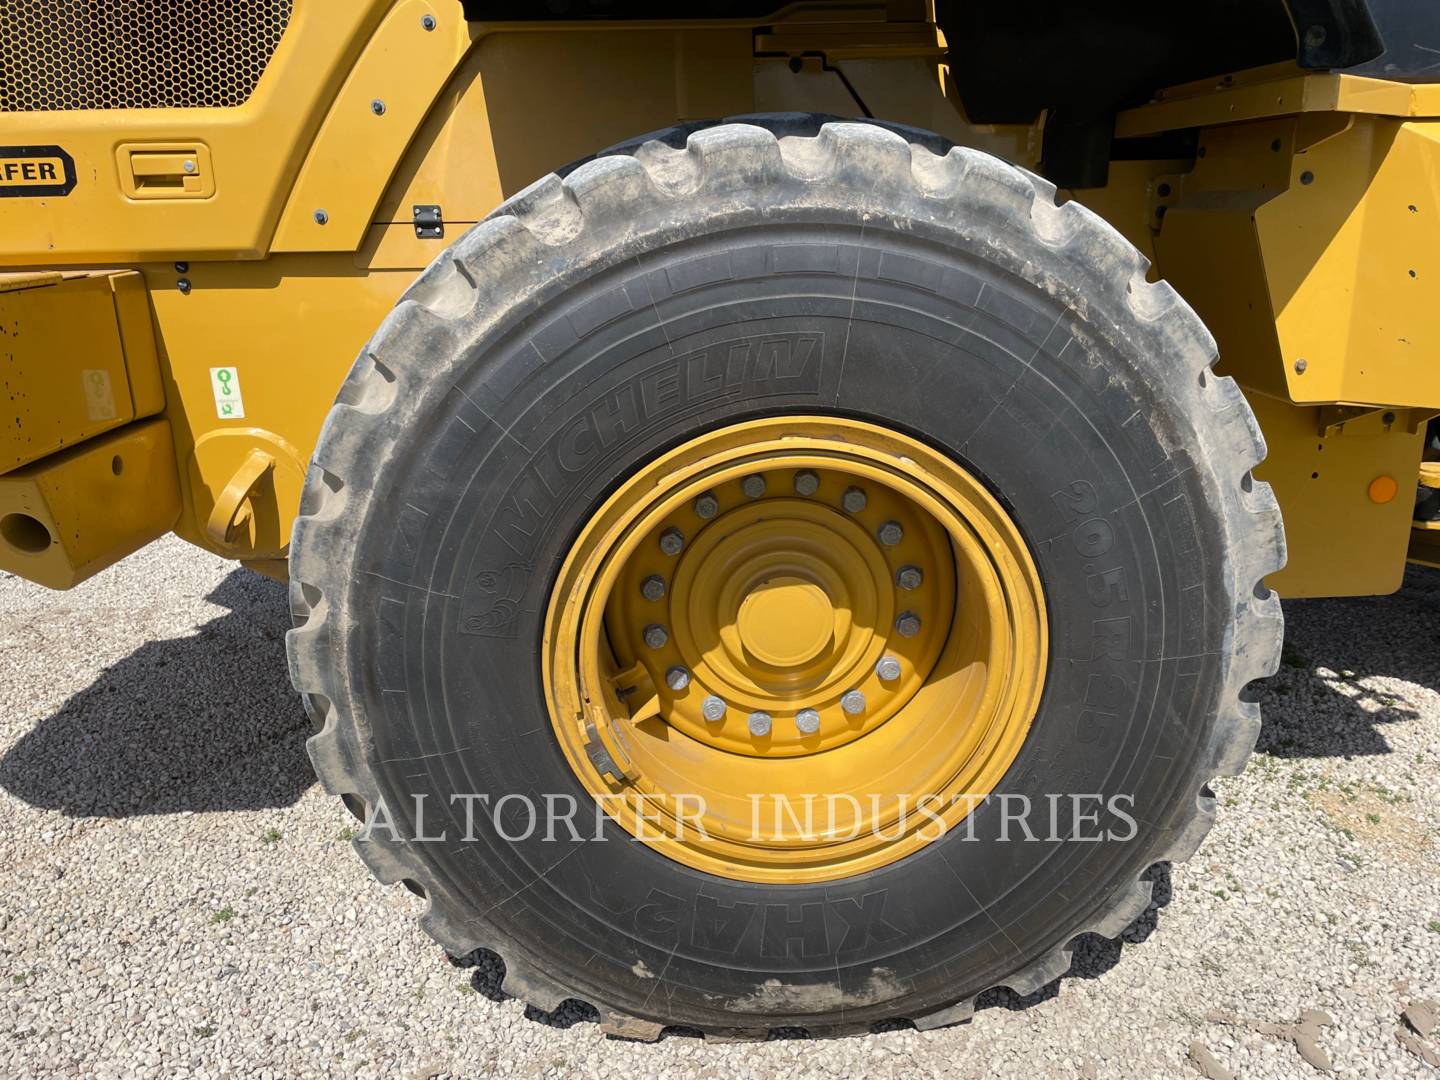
x=792, y=566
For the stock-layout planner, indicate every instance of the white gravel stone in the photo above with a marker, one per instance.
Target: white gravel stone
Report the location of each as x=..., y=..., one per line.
x=179, y=898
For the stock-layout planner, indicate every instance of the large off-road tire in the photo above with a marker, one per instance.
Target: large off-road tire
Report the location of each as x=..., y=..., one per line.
x=928, y=290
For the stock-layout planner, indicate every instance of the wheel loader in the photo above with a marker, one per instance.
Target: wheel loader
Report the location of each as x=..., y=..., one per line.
x=781, y=502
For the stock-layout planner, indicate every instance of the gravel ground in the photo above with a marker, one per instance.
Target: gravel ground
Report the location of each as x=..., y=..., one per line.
x=179, y=896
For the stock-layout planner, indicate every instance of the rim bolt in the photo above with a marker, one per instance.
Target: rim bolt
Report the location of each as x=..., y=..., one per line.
x=672, y=541
x=907, y=623
x=656, y=636
x=653, y=587
x=854, y=500
x=759, y=723
x=806, y=483
x=807, y=721
x=888, y=668
x=753, y=485
x=853, y=702
x=909, y=577
x=713, y=708
x=890, y=533
x=677, y=678
x=706, y=506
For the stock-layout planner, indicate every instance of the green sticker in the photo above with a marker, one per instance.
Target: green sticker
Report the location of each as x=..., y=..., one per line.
x=225, y=381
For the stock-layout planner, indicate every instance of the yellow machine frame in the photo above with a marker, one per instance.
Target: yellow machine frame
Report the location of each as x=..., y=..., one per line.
x=268, y=240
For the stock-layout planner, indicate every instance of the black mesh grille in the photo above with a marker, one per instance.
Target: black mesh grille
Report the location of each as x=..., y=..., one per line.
x=135, y=54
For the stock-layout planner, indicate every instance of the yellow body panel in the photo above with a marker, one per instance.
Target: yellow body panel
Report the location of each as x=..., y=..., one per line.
x=290, y=326
x=255, y=151
x=370, y=108
x=1277, y=91
x=77, y=358
x=386, y=97
x=1352, y=261
x=1306, y=243
x=74, y=513
x=1322, y=475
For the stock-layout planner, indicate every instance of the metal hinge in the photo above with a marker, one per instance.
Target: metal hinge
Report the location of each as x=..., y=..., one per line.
x=429, y=225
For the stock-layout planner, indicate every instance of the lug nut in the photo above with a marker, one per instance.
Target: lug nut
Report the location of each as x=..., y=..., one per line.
x=854, y=500
x=753, y=485
x=909, y=577
x=890, y=533
x=759, y=723
x=653, y=587
x=677, y=678
x=656, y=636
x=713, y=708
x=806, y=483
x=706, y=506
x=672, y=541
x=853, y=702
x=907, y=623
x=808, y=721
x=888, y=668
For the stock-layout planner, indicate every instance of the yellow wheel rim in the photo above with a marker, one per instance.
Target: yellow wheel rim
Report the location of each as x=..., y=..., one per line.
x=795, y=649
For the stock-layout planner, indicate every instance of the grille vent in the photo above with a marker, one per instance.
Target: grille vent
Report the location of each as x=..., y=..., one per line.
x=135, y=54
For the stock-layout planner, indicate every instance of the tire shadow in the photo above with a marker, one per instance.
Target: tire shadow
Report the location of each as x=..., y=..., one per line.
x=1324, y=701
x=203, y=722
x=1090, y=954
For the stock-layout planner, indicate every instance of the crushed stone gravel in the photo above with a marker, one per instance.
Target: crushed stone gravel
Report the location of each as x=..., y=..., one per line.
x=180, y=899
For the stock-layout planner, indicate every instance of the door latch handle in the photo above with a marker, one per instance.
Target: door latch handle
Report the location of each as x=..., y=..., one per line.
x=166, y=171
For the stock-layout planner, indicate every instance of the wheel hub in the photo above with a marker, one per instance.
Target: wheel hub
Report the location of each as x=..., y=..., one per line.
x=785, y=622
x=794, y=609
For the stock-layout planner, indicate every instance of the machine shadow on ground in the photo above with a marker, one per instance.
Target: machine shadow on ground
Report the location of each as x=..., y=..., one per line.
x=1320, y=703
x=203, y=722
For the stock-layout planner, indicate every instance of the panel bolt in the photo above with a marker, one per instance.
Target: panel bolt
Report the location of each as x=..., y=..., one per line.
x=907, y=623
x=377, y=107
x=713, y=708
x=853, y=500
x=182, y=267
x=806, y=483
x=428, y=22
x=753, y=485
x=706, y=506
x=183, y=284
x=808, y=721
x=890, y=533
x=888, y=668
x=656, y=636
x=853, y=702
x=653, y=587
x=759, y=723
x=321, y=217
x=677, y=678
x=672, y=541
x=1300, y=366
x=909, y=577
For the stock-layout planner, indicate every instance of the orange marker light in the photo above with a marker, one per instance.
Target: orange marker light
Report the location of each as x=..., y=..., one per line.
x=1383, y=489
